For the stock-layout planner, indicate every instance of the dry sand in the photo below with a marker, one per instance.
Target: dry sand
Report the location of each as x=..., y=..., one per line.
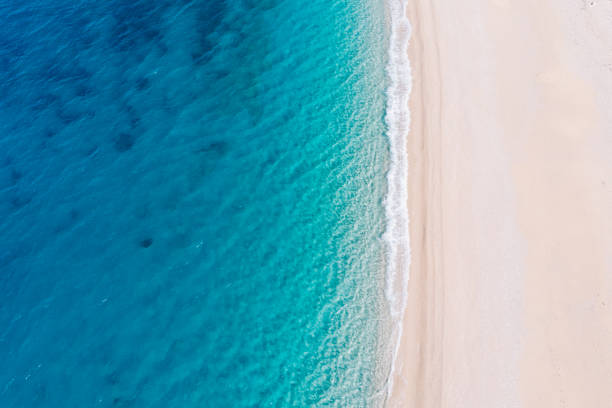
x=510, y=150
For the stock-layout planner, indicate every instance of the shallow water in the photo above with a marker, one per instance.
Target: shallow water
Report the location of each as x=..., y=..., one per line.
x=191, y=203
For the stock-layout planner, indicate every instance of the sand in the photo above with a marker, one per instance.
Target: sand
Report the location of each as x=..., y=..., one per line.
x=510, y=201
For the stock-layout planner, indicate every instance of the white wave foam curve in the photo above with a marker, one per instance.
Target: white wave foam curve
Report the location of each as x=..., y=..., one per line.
x=397, y=119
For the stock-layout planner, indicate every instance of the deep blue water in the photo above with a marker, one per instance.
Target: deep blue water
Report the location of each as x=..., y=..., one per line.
x=191, y=203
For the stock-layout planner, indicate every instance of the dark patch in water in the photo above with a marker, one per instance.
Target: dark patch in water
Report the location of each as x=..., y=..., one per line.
x=209, y=18
x=147, y=242
x=40, y=392
x=19, y=201
x=152, y=34
x=135, y=26
x=5, y=64
x=91, y=151
x=220, y=74
x=124, y=142
x=143, y=83
x=83, y=90
x=216, y=147
x=15, y=176
x=134, y=121
x=7, y=256
x=133, y=116
x=198, y=57
x=163, y=48
x=50, y=133
x=67, y=221
x=122, y=402
x=68, y=117
x=112, y=378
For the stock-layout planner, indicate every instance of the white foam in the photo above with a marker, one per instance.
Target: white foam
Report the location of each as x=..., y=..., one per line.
x=397, y=120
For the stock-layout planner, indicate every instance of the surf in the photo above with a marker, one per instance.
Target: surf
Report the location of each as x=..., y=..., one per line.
x=397, y=121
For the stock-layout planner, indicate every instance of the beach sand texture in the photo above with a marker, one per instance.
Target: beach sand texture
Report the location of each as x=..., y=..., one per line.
x=510, y=201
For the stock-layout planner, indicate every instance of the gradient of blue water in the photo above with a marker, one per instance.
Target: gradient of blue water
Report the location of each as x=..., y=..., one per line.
x=191, y=203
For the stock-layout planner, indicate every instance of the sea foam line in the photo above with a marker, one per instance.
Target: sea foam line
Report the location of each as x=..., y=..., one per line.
x=397, y=119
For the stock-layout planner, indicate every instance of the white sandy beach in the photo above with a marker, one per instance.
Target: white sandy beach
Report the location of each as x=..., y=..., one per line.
x=510, y=201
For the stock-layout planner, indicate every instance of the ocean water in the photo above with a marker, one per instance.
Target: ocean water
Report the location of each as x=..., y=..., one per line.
x=192, y=203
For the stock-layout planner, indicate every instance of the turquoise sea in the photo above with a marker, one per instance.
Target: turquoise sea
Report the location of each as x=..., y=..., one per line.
x=192, y=203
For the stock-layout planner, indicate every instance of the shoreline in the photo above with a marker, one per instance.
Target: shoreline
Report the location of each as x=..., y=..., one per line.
x=509, y=202
x=397, y=119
